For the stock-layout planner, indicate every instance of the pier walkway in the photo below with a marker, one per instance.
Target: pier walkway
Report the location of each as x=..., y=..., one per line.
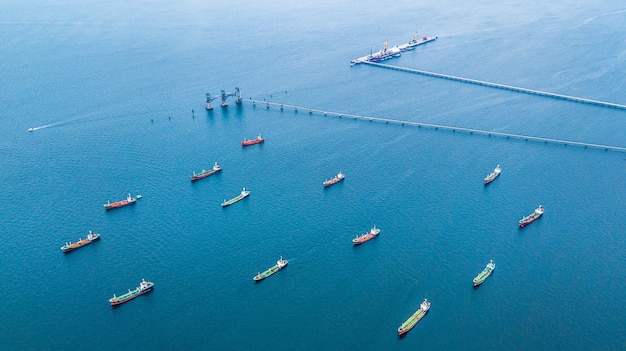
x=295, y=108
x=500, y=86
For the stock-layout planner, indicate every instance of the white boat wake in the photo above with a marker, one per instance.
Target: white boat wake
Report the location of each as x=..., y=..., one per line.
x=42, y=127
x=92, y=117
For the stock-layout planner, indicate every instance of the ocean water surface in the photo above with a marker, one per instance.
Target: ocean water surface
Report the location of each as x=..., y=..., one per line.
x=116, y=93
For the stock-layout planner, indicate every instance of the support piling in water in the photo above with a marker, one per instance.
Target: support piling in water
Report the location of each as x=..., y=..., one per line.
x=501, y=86
x=453, y=128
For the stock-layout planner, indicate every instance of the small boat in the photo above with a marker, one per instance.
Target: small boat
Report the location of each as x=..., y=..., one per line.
x=31, y=129
x=143, y=288
x=482, y=276
x=416, y=317
x=493, y=175
x=244, y=193
x=278, y=266
x=366, y=237
x=247, y=142
x=91, y=237
x=128, y=201
x=336, y=179
x=531, y=217
x=205, y=173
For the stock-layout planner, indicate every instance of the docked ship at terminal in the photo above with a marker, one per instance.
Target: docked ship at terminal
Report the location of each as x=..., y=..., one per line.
x=395, y=51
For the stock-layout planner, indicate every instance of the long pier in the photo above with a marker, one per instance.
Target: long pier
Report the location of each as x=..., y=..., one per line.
x=296, y=108
x=500, y=86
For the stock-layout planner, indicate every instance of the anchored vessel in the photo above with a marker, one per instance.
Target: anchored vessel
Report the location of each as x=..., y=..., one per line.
x=416, y=317
x=205, y=173
x=482, y=276
x=278, y=266
x=244, y=193
x=531, y=217
x=336, y=179
x=247, y=142
x=128, y=201
x=493, y=175
x=143, y=288
x=91, y=237
x=367, y=236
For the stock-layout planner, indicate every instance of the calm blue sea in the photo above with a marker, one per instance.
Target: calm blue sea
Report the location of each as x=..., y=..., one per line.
x=116, y=90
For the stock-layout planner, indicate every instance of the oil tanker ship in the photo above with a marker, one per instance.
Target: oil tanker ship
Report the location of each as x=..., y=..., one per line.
x=493, y=175
x=247, y=142
x=531, y=217
x=205, y=173
x=91, y=237
x=278, y=266
x=244, y=193
x=482, y=276
x=415, y=317
x=367, y=236
x=143, y=288
x=336, y=179
x=117, y=204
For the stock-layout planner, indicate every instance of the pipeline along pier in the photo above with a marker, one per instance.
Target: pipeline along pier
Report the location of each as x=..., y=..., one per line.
x=500, y=86
x=296, y=108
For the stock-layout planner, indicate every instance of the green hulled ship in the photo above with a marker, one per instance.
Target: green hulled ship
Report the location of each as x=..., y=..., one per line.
x=278, y=266
x=244, y=193
x=143, y=288
x=482, y=276
x=416, y=317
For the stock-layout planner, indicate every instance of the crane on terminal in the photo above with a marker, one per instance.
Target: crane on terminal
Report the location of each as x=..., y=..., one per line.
x=236, y=94
x=224, y=96
x=209, y=98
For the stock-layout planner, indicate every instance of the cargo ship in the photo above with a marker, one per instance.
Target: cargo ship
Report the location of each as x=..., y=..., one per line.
x=493, y=175
x=531, y=217
x=416, y=317
x=278, y=266
x=381, y=55
x=143, y=288
x=367, y=236
x=128, y=201
x=385, y=53
x=395, y=51
x=336, y=179
x=247, y=142
x=482, y=276
x=415, y=42
x=205, y=173
x=244, y=193
x=91, y=237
